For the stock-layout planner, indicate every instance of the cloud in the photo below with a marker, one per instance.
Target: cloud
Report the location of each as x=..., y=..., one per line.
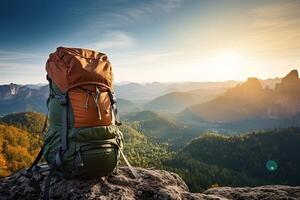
x=21, y=73
x=10, y=55
x=281, y=15
x=113, y=40
x=133, y=59
x=146, y=10
x=275, y=29
x=20, y=67
x=121, y=17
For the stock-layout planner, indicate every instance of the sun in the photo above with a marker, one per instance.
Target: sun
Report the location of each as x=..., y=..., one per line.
x=228, y=57
x=228, y=63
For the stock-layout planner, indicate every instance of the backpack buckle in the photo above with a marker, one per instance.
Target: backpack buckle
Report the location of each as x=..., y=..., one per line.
x=113, y=98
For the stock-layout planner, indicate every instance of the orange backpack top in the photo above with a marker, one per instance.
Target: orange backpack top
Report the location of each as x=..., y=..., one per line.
x=86, y=77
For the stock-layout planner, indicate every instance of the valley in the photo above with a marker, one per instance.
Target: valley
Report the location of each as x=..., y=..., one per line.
x=211, y=134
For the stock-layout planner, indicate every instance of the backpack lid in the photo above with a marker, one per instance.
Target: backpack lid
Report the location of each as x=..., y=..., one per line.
x=70, y=67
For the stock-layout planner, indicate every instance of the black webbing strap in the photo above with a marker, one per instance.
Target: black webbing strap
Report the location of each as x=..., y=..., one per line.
x=63, y=98
x=64, y=119
x=58, y=161
x=50, y=83
x=36, y=160
x=47, y=184
x=40, y=154
x=63, y=147
x=113, y=100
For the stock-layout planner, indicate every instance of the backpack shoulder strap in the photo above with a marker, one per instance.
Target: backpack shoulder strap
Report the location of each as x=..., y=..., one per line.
x=36, y=160
x=47, y=184
x=40, y=154
x=64, y=130
x=64, y=119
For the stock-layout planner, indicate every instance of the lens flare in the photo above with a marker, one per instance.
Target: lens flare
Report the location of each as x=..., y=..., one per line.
x=271, y=165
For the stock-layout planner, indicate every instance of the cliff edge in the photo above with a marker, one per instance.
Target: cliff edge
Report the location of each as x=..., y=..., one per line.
x=153, y=184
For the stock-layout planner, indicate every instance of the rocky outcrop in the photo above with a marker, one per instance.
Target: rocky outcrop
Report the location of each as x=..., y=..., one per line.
x=152, y=184
x=287, y=95
x=245, y=101
x=272, y=192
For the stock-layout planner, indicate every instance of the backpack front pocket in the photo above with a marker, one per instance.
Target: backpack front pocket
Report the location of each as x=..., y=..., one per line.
x=96, y=160
x=90, y=109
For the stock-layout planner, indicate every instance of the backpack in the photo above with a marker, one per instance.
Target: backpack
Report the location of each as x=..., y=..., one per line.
x=83, y=139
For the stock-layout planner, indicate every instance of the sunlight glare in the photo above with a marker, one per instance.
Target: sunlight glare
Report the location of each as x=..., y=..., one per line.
x=228, y=57
x=229, y=63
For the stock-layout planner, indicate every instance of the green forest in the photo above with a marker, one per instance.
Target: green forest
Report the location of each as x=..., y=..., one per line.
x=260, y=158
x=208, y=160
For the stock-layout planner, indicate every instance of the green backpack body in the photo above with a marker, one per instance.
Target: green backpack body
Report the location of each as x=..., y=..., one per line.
x=91, y=151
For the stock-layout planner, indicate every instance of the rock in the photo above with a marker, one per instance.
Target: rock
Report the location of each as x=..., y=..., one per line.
x=268, y=192
x=293, y=76
x=152, y=185
x=287, y=96
x=252, y=84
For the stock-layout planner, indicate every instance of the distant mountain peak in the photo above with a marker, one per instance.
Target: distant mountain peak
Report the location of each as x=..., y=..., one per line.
x=252, y=83
x=250, y=100
x=290, y=83
x=292, y=76
x=13, y=89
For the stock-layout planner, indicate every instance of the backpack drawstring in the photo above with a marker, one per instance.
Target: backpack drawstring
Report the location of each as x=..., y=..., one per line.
x=87, y=100
x=96, y=100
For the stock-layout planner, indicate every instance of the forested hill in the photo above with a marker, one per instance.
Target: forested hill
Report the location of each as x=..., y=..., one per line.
x=260, y=158
x=31, y=121
x=270, y=157
x=250, y=153
x=17, y=149
x=21, y=140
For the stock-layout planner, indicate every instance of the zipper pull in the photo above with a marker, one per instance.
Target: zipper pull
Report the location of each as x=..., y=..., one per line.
x=96, y=99
x=87, y=100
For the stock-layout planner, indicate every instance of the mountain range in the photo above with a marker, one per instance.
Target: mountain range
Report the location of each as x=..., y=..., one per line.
x=175, y=102
x=23, y=98
x=18, y=98
x=250, y=100
x=225, y=107
x=141, y=93
x=131, y=96
x=160, y=97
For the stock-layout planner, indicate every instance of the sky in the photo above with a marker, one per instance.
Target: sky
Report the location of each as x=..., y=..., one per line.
x=154, y=40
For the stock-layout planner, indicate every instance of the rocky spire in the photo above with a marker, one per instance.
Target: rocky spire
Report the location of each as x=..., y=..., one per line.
x=290, y=82
x=291, y=77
